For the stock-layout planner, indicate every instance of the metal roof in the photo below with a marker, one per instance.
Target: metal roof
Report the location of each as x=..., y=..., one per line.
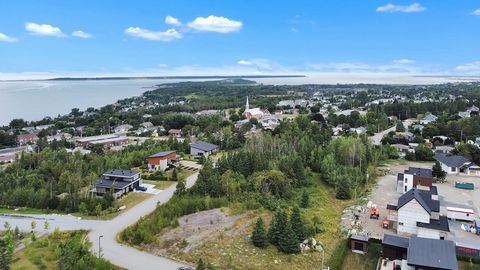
x=162, y=154
x=419, y=171
x=121, y=173
x=432, y=253
x=423, y=197
x=118, y=184
x=204, y=146
x=358, y=237
x=451, y=161
x=440, y=224
x=396, y=241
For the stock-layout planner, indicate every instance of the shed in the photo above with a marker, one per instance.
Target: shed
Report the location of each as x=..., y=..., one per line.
x=359, y=243
x=395, y=247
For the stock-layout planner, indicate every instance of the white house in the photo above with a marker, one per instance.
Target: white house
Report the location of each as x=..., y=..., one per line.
x=123, y=129
x=458, y=165
x=418, y=213
x=430, y=118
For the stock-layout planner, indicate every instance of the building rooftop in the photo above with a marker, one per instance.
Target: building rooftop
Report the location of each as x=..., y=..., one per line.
x=423, y=197
x=204, y=146
x=451, y=161
x=419, y=171
x=440, y=224
x=393, y=240
x=358, y=237
x=121, y=173
x=432, y=253
x=161, y=154
x=112, y=183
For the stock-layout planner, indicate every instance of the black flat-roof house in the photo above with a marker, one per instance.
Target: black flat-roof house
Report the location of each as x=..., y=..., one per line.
x=118, y=181
x=420, y=253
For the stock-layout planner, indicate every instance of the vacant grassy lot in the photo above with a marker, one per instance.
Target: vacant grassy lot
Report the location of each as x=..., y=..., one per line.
x=366, y=261
x=23, y=210
x=231, y=248
x=129, y=200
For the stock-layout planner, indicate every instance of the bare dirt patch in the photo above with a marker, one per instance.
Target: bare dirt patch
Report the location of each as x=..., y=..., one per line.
x=197, y=228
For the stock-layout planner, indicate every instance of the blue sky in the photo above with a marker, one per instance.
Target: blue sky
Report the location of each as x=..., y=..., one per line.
x=240, y=37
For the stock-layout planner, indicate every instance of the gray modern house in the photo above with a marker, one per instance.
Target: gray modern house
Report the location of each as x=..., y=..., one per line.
x=119, y=181
x=201, y=148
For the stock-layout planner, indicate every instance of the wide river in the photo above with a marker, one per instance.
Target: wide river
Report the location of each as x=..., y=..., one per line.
x=33, y=100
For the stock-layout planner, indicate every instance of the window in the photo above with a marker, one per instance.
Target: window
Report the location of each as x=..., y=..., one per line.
x=405, y=188
x=454, y=169
x=468, y=214
x=400, y=223
x=406, y=180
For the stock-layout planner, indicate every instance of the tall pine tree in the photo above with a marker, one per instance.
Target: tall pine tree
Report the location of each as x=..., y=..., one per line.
x=259, y=235
x=288, y=242
x=298, y=225
x=278, y=223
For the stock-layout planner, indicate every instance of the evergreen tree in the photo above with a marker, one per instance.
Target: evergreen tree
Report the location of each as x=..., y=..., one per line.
x=343, y=189
x=181, y=189
x=200, y=265
x=259, y=235
x=299, y=172
x=288, y=242
x=279, y=221
x=175, y=175
x=5, y=254
x=400, y=127
x=298, y=225
x=438, y=172
x=305, y=202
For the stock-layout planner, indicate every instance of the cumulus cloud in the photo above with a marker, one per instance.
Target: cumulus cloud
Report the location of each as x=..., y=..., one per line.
x=390, y=8
x=404, y=61
x=81, y=34
x=245, y=63
x=43, y=30
x=166, y=36
x=172, y=21
x=5, y=38
x=476, y=12
x=473, y=67
x=215, y=24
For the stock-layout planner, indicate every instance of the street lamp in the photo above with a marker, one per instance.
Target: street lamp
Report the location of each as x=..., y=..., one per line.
x=323, y=253
x=99, y=248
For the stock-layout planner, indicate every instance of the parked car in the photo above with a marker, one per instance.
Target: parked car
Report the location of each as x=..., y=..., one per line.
x=185, y=268
x=140, y=188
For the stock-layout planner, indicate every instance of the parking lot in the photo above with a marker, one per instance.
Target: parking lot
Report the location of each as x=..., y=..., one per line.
x=385, y=193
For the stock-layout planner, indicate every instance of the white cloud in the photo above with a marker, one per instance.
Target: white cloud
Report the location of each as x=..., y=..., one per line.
x=5, y=38
x=390, y=8
x=404, y=61
x=245, y=63
x=473, y=67
x=169, y=35
x=215, y=24
x=476, y=12
x=172, y=21
x=81, y=34
x=43, y=30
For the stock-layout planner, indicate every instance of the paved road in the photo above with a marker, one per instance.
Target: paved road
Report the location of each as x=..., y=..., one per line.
x=377, y=138
x=126, y=256
x=119, y=254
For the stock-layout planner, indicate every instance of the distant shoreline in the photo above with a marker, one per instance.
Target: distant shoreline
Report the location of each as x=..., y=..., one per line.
x=158, y=78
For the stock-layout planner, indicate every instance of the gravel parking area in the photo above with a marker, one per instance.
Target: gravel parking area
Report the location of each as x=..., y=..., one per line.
x=385, y=193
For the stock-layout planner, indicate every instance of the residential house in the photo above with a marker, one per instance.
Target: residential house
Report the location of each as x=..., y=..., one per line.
x=201, y=148
x=473, y=110
x=458, y=165
x=429, y=118
x=359, y=130
x=117, y=181
x=418, y=212
x=161, y=160
x=8, y=158
x=417, y=126
x=414, y=177
x=402, y=149
x=146, y=124
x=23, y=139
x=416, y=253
x=443, y=149
x=177, y=133
x=107, y=140
x=122, y=129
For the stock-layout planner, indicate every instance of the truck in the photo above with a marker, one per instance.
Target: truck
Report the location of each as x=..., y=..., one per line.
x=456, y=213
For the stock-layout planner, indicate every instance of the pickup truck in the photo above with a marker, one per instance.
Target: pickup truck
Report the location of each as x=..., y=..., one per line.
x=140, y=188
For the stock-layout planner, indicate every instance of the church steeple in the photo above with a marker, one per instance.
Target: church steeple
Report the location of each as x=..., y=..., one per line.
x=247, y=106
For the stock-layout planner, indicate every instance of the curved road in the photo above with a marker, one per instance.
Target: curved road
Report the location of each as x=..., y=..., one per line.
x=126, y=256
x=377, y=137
x=119, y=254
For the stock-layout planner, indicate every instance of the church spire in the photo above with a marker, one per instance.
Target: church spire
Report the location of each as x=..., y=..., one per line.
x=247, y=106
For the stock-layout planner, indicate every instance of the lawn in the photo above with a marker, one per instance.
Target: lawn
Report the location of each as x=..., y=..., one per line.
x=468, y=266
x=160, y=184
x=366, y=261
x=23, y=210
x=129, y=201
